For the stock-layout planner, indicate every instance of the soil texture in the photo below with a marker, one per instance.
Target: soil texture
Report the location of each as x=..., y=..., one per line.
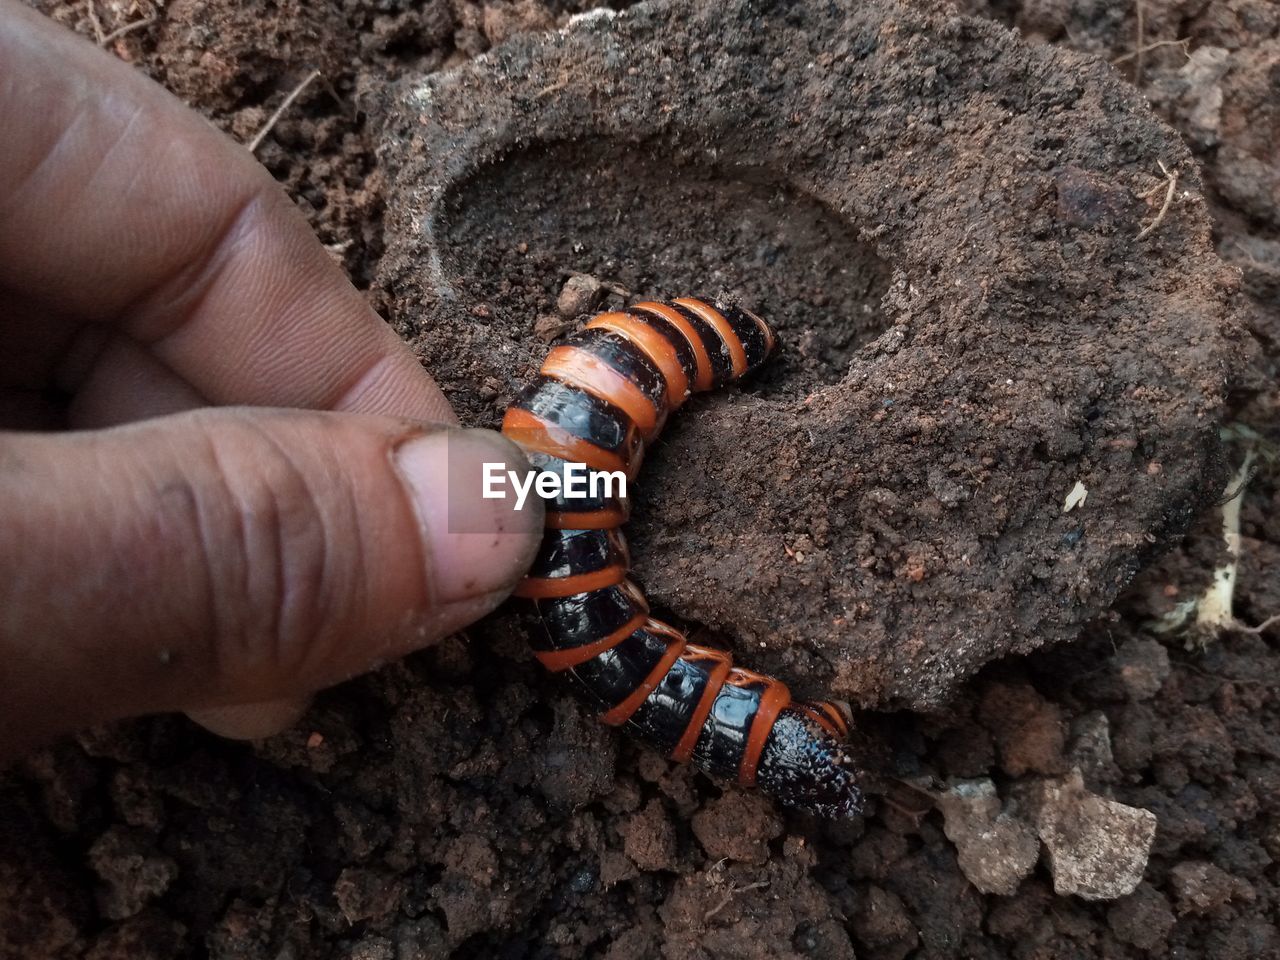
x=968, y=217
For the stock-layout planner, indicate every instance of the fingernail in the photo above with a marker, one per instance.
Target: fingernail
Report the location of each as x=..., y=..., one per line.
x=475, y=544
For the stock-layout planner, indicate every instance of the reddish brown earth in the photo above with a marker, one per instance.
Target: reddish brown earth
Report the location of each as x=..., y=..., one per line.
x=948, y=249
x=461, y=803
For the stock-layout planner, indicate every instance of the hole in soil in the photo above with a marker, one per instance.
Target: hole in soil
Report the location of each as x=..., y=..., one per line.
x=513, y=232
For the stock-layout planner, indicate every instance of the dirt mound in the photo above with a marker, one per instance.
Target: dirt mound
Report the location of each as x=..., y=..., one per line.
x=947, y=226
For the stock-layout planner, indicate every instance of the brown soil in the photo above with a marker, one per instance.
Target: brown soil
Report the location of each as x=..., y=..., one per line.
x=968, y=331
x=462, y=803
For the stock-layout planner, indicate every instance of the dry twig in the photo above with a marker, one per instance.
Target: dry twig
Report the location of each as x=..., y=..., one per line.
x=91, y=6
x=1260, y=628
x=1184, y=43
x=1172, y=177
x=1140, y=47
x=733, y=890
x=280, y=110
x=128, y=28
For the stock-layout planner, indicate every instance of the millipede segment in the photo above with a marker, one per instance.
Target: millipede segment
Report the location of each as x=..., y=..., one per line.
x=600, y=397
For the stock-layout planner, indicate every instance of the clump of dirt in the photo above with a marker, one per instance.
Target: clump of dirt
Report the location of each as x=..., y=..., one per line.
x=462, y=804
x=953, y=248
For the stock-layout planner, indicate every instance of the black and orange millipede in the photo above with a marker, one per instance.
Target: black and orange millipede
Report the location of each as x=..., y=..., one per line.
x=600, y=397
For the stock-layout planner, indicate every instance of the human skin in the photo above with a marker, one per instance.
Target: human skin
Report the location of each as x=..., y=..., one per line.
x=222, y=476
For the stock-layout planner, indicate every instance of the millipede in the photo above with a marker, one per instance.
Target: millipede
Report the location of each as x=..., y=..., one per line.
x=601, y=396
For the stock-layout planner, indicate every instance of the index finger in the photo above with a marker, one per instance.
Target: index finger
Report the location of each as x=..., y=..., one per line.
x=119, y=205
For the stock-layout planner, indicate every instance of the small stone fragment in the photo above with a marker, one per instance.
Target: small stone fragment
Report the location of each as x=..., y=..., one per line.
x=1076, y=497
x=1098, y=848
x=995, y=849
x=548, y=326
x=502, y=20
x=581, y=294
x=1143, y=667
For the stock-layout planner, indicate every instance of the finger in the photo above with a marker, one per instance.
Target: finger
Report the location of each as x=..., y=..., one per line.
x=238, y=556
x=175, y=233
x=127, y=384
x=252, y=721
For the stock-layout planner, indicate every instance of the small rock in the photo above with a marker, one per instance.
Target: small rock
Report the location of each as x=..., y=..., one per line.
x=1098, y=848
x=615, y=867
x=581, y=294
x=420, y=939
x=548, y=326
x=1201, y=887
x=1143, y=667
x=995, y=849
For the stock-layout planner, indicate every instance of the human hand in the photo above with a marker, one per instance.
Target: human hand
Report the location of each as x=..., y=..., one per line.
x=185, y=546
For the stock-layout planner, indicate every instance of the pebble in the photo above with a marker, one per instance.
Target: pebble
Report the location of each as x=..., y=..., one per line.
x=580, y=294
x=1097, y=848
x=995, y=849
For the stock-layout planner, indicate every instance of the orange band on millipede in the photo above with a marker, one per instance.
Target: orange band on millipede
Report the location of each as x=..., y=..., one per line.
x=546, y=588
x=723, y=327
x=592, y=375
x=770, y=340
x=836, y=714
x=654, y=346
x=585, y=520
x=702, y=358
x=623, y=711
x=536, y=433
x=684, y=749
x=557, y=660
x=816, y=717
x=774, y=700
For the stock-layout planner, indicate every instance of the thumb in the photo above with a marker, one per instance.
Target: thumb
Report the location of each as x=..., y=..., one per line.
x=238, y=556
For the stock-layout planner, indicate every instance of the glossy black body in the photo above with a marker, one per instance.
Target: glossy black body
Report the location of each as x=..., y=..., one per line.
x=724, y=736
x=582, y=415
x=568, y=553
x=804, y=766
x=546, y=463
x=717, y=349
x=665, y=714
x=611, y=677
x=624, y=357
x=792, y=756
x=584, y=618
